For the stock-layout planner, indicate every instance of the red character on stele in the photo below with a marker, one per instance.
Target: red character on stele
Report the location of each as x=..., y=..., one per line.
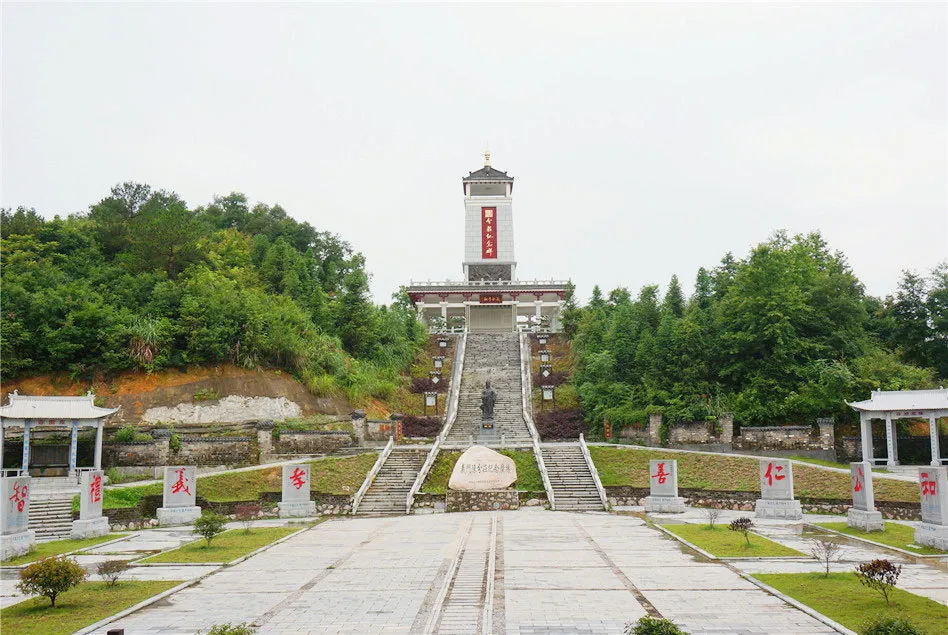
x=297, y=478
x=771, y=477
x=180, y=484
x=662, y=474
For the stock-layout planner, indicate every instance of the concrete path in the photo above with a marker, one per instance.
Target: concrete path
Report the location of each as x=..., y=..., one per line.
x=516, y=572
x=524, y=572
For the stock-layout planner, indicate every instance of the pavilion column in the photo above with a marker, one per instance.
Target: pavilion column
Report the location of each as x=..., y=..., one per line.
x=73, y=448
x=865, y=430
x=25, y=466
x=891, y=442
x=539, y=306
x=933, y=435
x=98, y=446
x=444, y=312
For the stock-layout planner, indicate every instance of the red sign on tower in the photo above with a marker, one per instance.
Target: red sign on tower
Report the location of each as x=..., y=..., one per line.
x=488, y=232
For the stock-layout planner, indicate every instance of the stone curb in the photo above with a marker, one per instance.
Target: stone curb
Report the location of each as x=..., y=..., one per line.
x=685, y=542
x=799, y=558
x=906, y=552
x=839, y=628
x=155, y=598
x=17, y=567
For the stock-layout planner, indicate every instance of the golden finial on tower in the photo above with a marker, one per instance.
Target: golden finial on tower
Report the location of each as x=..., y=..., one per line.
x=487, y=158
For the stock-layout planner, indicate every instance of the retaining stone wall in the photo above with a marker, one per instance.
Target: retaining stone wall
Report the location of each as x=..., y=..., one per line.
x=481, y=501
x=311, y=442
x=215, y=451
x=782, y=438
x=744, y=501
x=148, y=453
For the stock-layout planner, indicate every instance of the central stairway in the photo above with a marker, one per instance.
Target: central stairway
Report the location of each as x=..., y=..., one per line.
x=493, y=357
x=389, y=490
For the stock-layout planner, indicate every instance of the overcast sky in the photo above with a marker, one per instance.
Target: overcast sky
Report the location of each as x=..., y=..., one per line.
x=645, y=140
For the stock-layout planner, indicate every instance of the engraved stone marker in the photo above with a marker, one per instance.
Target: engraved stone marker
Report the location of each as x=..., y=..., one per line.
x=296, y=487
x=663, y=487
x=91, y=522
x=18, y=538
x=933, y=485
x=776, y=491
x=180, y=497
x=481, y=469
x=863, y=514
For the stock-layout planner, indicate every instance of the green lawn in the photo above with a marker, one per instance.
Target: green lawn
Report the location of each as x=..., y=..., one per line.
x=228, y=546
x=79, y=607
x=724, y=543
x=629, y=467
x=842, y=598
x=528, y=474
x=331, y=475
x=56, y=547
x=895, y=535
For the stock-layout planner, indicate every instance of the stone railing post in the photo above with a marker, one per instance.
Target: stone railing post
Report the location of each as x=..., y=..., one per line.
x=654, y=429
x=264, y=441
x=726, y=422
x=358, y=425
x=162, y=437
x=397, y=422
x=827, y=427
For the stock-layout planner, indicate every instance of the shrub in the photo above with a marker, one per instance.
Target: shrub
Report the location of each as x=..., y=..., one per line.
x=209, y=525
x=245, y=513
x=230, y=629
x=126, y=434
x=879, y=575
x=420, y=426
x=743, y=525
x=825, y=549
x=560, y=424
x=50, y=577
x=653, y=626
x=887, y=625
x=112, y=570
x=174, y=443
x=712, y=514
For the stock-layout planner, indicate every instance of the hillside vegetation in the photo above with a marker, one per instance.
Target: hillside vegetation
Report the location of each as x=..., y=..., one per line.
x=142, y=281
x=785, y=335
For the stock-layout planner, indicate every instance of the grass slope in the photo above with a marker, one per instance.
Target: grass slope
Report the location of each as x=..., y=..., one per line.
x=228, y=546
x=895, y=535
x=56, y=547
x=842, y=598
x=79, y=607
x=528, y=474
x=331, y=475
x=629, y=467
x=724, y=543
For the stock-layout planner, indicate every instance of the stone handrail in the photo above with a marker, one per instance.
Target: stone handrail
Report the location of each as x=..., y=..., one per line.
x=450, y=414
x=593, y=471
x=370, y=477
x=526, y=383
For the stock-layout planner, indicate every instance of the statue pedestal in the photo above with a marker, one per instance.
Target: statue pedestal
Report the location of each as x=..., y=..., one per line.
x=487, y=424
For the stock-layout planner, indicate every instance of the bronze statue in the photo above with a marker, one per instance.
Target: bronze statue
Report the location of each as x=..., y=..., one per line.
x=488, y=399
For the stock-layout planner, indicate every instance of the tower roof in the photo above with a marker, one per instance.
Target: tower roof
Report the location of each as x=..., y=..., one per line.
x=487, y=173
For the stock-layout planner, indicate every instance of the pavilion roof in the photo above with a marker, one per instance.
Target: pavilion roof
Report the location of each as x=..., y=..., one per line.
x=39, y=407
x=903, y=400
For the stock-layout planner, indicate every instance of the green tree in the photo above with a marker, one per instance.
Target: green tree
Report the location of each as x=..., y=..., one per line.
x=51, y=577
x=674, y=302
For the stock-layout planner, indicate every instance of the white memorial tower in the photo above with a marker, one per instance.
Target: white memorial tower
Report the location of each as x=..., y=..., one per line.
x=490, y=298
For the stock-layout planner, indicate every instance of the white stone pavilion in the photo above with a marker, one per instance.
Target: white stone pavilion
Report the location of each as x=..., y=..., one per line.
x=891, y=405
x=490, y=298
x=29, y=414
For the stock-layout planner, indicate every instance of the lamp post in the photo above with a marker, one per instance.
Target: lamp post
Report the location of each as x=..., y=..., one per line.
x=542, y=338
x=442, y=343
x=546, y=370
x=431, y=399
x=549, y=394
x=438, y=361
x=435, y=376
x=544, y=355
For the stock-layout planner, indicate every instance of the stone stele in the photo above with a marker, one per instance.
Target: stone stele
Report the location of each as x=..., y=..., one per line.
x=481, y=469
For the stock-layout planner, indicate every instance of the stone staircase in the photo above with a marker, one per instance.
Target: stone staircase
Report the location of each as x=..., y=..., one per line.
x=494, y=357
x=51, y=518
x=389, y=490
x=573, y=486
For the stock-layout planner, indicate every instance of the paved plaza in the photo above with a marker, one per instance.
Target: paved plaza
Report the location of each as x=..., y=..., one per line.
x=529, y=571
